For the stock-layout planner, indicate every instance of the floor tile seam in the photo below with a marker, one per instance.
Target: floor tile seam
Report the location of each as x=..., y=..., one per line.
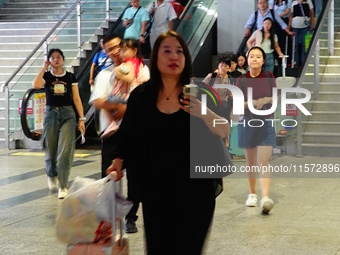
x=39, y=172
x=30, y=217
x=33, y=195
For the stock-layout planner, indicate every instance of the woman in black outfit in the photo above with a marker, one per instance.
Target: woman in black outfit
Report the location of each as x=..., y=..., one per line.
x=155, y=145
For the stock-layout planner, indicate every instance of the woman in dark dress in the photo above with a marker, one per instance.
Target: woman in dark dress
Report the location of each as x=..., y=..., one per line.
x=155, y=146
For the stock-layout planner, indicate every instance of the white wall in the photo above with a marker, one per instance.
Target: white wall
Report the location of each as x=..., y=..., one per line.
x=232, y=16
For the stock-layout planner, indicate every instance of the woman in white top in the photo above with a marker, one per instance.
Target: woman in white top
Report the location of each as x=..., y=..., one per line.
x=267, y=40
x=282, y=8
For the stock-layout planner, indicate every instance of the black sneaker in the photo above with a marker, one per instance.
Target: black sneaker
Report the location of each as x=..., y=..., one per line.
x=130, y=227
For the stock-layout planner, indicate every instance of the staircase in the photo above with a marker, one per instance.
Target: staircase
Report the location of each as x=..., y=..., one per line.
x=24, y=23
x=321, y=131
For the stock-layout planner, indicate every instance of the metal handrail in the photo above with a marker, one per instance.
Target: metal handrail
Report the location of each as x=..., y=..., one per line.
x=40, y=44
x=183, y=14
x=98, y=47
x=23, y=115
x=313, y=44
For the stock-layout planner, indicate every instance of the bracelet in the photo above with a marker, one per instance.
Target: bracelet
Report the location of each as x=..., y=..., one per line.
x=141, y=35
x=82, y=118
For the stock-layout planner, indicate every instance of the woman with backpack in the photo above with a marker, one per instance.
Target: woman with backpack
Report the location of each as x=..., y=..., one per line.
x=257, y=133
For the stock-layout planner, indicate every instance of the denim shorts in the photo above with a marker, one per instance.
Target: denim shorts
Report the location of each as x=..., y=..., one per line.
x=260, y=135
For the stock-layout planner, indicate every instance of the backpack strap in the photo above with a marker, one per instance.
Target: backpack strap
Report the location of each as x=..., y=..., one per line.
x=243, y=82
x=273, y=14
x=255, y=23
x=256, y=15
x=270, y=80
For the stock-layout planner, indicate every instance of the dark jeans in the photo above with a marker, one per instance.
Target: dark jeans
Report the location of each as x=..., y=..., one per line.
x=300, y=55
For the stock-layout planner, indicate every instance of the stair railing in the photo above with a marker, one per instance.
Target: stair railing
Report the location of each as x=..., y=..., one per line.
x=314, y=47
x=67, y=16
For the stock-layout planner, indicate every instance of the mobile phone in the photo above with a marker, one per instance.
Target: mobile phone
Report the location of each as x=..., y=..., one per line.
x=191, y=90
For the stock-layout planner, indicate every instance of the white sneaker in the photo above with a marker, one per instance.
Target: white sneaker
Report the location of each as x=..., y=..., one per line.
x=252, y=200
x=52, y=183
x=62, y=193
x=266, y=204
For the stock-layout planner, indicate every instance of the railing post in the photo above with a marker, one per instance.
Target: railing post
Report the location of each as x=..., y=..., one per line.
x=331, y=29
x=6, y=92
x=107, y=10
x=46, y=50
x=317, y=69
x=79, y=27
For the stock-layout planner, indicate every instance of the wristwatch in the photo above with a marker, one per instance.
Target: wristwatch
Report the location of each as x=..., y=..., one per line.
x=142, y=35
x=82, y=118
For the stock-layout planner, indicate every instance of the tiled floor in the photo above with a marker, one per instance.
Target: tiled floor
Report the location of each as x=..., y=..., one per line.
x=305, y=219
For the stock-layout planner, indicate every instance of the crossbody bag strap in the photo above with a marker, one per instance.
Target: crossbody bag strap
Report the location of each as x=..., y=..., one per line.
x=134, y=15
x=303, y=12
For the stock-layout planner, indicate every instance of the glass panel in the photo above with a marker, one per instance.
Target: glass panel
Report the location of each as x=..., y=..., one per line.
x=193, y=19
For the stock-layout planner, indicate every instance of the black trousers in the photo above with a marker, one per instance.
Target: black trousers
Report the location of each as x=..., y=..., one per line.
x=175, y=218
x=109, y=152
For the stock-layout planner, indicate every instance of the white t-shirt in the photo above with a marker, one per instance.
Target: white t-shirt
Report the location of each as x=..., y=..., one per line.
x=164, y=13
x=266, y=43
x=298, y=20
x=103, y=87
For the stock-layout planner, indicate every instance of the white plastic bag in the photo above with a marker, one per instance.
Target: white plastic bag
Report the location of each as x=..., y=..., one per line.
x=89, y=203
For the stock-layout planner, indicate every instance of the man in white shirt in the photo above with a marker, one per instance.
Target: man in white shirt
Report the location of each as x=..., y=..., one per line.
x=163, y=15
x=103, y=86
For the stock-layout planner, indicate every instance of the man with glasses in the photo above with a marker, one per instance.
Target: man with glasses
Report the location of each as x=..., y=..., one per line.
x=103, y=87
x=256, y=19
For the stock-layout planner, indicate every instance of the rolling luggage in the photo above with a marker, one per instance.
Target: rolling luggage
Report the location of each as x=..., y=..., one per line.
x=292, y=71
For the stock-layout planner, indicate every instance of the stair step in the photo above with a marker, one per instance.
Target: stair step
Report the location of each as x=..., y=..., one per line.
x=38, y=24
x=324, y=112
x=324, y=102
x=319, y=145
x=328, y=93
x=321, y=122
x=320, y=134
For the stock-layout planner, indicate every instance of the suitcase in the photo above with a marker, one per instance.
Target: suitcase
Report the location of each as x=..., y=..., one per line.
x=292, y=71
x=118, y=245
x=285, y=81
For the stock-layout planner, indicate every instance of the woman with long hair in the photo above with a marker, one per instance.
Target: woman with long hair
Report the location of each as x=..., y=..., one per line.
x=59, y=132
x=257, y=134
x=268, y=41
x=155, y=143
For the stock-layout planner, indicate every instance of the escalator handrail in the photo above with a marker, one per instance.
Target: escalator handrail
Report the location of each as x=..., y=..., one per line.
x=183, y=14
x=23, y=115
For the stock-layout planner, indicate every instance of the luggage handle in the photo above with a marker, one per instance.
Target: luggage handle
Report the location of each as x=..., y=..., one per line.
x=293, y=49
x=113, y=177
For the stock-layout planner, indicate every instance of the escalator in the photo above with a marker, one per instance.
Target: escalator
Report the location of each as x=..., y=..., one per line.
x=195, y=25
